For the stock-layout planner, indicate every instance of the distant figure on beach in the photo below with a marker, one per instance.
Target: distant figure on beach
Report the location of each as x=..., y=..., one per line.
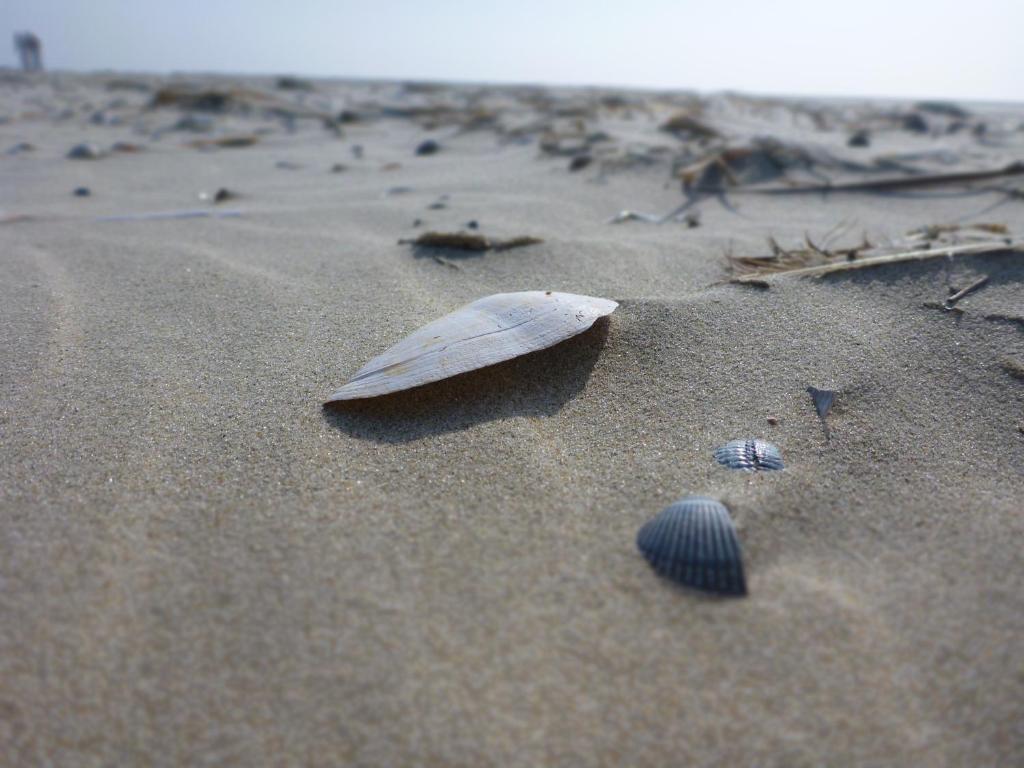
x=30, y=51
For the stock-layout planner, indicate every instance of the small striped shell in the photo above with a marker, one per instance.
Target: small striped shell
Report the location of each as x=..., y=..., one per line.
x=693, y=542
x=750, y=455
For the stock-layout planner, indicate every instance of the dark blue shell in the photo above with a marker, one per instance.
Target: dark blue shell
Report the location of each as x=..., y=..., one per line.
x=823, y=399
x=693, y=542
x=750, y=455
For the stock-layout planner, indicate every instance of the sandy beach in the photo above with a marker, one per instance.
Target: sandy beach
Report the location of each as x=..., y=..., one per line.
x=201, y=565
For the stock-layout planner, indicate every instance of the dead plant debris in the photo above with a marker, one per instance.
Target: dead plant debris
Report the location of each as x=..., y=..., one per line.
x=464, y=241
x=225, y=142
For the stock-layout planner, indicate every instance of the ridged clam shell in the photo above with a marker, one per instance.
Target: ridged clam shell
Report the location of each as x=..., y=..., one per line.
x=751, y=455
x=693, y=542
x=488, y=331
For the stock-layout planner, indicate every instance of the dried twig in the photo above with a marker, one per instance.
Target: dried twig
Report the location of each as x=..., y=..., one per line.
x=888, y=184
x=893, y=258
x=960, y=294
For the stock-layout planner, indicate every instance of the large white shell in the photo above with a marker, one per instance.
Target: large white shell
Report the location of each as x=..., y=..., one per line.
x=488, y=331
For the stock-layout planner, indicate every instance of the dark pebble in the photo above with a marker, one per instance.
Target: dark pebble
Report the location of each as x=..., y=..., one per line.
x=580, y=162
x=84, y=152
x=859, y=139
x=428, y=147
x=81, y=192
x=915, y=123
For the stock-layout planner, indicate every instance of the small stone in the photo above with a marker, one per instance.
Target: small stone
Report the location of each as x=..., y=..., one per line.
x=773, y=421
x=195, y=123
x=428, y=147
x=81, y=192
x=84, y=152
x=915, y=123
x=338, y=168
x=288, y=83
x=859, y=139
x=474, y=224
x=580, y=162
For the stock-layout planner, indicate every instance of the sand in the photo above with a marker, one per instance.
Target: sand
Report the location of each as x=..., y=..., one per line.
x=199, y=565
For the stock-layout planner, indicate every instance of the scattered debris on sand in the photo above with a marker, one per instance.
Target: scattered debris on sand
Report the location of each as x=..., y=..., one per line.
x=220, y=196
x=126, y=147
x=626, y=215
x=464, y=241
x=815, y=262
x=289, y=83
x=225, y=142
x=686, y=126
x=428, y=147
x=580, y=162
x=859, y=138
x=85, y=152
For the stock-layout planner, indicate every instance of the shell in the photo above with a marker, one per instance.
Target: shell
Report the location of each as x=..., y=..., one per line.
x=488, y=331
x=823, y=399
x=693, y=542
x=752, y=454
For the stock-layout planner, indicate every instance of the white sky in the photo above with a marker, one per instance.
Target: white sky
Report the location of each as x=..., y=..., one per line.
x=903, y=48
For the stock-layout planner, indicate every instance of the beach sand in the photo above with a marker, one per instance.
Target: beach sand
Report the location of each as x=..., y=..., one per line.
x=200, y=565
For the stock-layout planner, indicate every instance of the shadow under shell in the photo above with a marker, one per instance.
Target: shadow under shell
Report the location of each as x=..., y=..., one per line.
x=536, y=384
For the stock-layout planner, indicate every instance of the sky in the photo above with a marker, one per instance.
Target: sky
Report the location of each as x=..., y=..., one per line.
x=882, y=48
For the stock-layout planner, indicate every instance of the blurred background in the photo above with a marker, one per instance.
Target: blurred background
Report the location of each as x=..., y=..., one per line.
x=913, y=49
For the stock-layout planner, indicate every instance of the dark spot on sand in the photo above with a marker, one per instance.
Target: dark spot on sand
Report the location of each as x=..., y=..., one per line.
x=428, y=147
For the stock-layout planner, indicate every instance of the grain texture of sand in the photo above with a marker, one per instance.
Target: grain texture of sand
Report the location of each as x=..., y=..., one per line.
x=199, y=565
